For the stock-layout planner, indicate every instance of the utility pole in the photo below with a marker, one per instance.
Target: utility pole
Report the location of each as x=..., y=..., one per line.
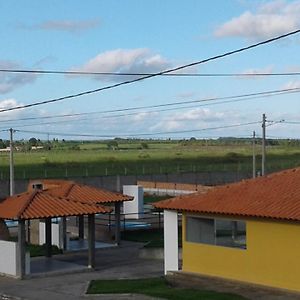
x=263, y=156
x=253, y=155
x=11, y=164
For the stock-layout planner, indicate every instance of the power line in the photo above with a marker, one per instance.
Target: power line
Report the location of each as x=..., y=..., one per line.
x=138, y=134
x=235, y=98
x=57, y=72
x=154, y=74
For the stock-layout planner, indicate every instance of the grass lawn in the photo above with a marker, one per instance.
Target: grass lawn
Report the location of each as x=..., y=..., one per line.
x=163, y=158
x=154, y=237
x=155, y=198
x=37, y=250
x=155, y=287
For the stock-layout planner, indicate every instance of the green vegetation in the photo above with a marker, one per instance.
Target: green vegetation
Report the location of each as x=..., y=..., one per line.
x=154, y=198
x=155, y=287
x=37, y=250
x=153, y=237
x=130, y=157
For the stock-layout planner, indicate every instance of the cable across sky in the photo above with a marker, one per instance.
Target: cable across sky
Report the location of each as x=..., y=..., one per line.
x=108, y=87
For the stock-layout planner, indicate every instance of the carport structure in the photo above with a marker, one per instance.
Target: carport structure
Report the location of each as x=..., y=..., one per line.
x=85, y=194
x=39, y=204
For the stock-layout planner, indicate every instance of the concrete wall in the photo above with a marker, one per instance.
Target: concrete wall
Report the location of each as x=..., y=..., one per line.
x=56, y=240
x=135, y=208
x=8, y=258
x=110, y=182
x=272, y=256
x=170, y=240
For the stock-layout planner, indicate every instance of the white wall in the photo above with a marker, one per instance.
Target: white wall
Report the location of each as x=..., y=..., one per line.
x=170, y=240
x=135, y=207
x=8, y=258
x=55, y=233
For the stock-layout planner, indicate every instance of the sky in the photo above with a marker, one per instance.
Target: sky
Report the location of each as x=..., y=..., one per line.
x=137, y=36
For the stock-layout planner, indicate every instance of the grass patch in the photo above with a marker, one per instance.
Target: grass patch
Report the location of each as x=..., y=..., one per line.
x=155, y=287
x=37, y=250
x=153, y=237
x=155, y=198
x=94, y=159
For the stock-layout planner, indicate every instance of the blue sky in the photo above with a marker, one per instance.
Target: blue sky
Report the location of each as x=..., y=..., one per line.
x=146, y=37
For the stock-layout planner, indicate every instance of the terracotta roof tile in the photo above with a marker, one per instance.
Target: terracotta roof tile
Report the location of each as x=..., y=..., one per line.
x=41, y=204
x=274, y=196
x=80, y=192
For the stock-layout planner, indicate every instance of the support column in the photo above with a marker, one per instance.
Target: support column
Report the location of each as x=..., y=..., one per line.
x=91, y=241
x=21, y=251
x=81, y=227
x=170, y=240
x=64, y=232
x=48, y=229
x=118, y=223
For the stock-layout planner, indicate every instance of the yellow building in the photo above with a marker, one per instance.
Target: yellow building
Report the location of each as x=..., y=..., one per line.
x=247, y=231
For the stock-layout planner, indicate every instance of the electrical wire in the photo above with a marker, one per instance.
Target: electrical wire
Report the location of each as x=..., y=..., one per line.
x=137, y=134
x=235, y=98
x=108, y=87
x=147, y=74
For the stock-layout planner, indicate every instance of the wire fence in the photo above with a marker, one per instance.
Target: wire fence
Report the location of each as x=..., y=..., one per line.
x=70, y=171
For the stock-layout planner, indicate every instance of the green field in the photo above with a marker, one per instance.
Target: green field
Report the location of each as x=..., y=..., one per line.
x=155, y=287
x=95, y=159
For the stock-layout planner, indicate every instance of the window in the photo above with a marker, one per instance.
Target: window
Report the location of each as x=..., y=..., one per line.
x=220, y=232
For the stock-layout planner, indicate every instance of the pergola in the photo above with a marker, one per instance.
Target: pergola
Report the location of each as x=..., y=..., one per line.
x=39, y=204
x=85, y=194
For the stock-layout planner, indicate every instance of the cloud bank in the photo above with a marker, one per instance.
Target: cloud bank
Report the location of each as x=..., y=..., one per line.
x=70, y=26
x=11, y=81
x=268, y=20
x=140, y=60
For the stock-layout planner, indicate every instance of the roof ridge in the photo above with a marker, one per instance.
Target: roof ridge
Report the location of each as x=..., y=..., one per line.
x=33, y=194
x=71, y=185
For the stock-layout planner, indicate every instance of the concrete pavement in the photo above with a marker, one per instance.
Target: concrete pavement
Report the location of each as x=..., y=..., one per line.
x=114, y=263
x=119, y=263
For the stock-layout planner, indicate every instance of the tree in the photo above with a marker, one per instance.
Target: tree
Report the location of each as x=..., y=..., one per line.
x=33, y=141
x=144, y=145
x=112, y=145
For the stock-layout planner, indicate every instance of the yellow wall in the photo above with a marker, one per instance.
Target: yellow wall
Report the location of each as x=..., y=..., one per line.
x=272, y=256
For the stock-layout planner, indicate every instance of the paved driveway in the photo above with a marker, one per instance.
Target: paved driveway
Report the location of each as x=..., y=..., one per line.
x=117, y=263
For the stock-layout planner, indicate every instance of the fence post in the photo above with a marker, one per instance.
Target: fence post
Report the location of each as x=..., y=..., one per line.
x=86, y=172
x=159, y=220
x=66, y=173
x=106, y=172
x=45, y=173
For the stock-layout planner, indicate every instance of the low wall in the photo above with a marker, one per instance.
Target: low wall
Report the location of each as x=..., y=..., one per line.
x=172, y=188
x=113, y=182
x=8, y=259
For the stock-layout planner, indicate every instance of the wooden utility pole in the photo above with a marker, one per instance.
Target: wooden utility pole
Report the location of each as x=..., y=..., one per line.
x=11, y=164
x=263, y=156
x=253, y=155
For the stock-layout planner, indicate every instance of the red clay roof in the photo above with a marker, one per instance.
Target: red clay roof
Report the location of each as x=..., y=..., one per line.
x=274, y=196
x=41, y=204
x=80, y=192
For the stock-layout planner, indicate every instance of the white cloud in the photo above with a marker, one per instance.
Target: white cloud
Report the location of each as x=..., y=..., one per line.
x=293, y=84
x=140, y=60
x=9, y=103
x=70, y=26
x=270, y=19
x=192, y=119
x=253, y=71
x=11, y=81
